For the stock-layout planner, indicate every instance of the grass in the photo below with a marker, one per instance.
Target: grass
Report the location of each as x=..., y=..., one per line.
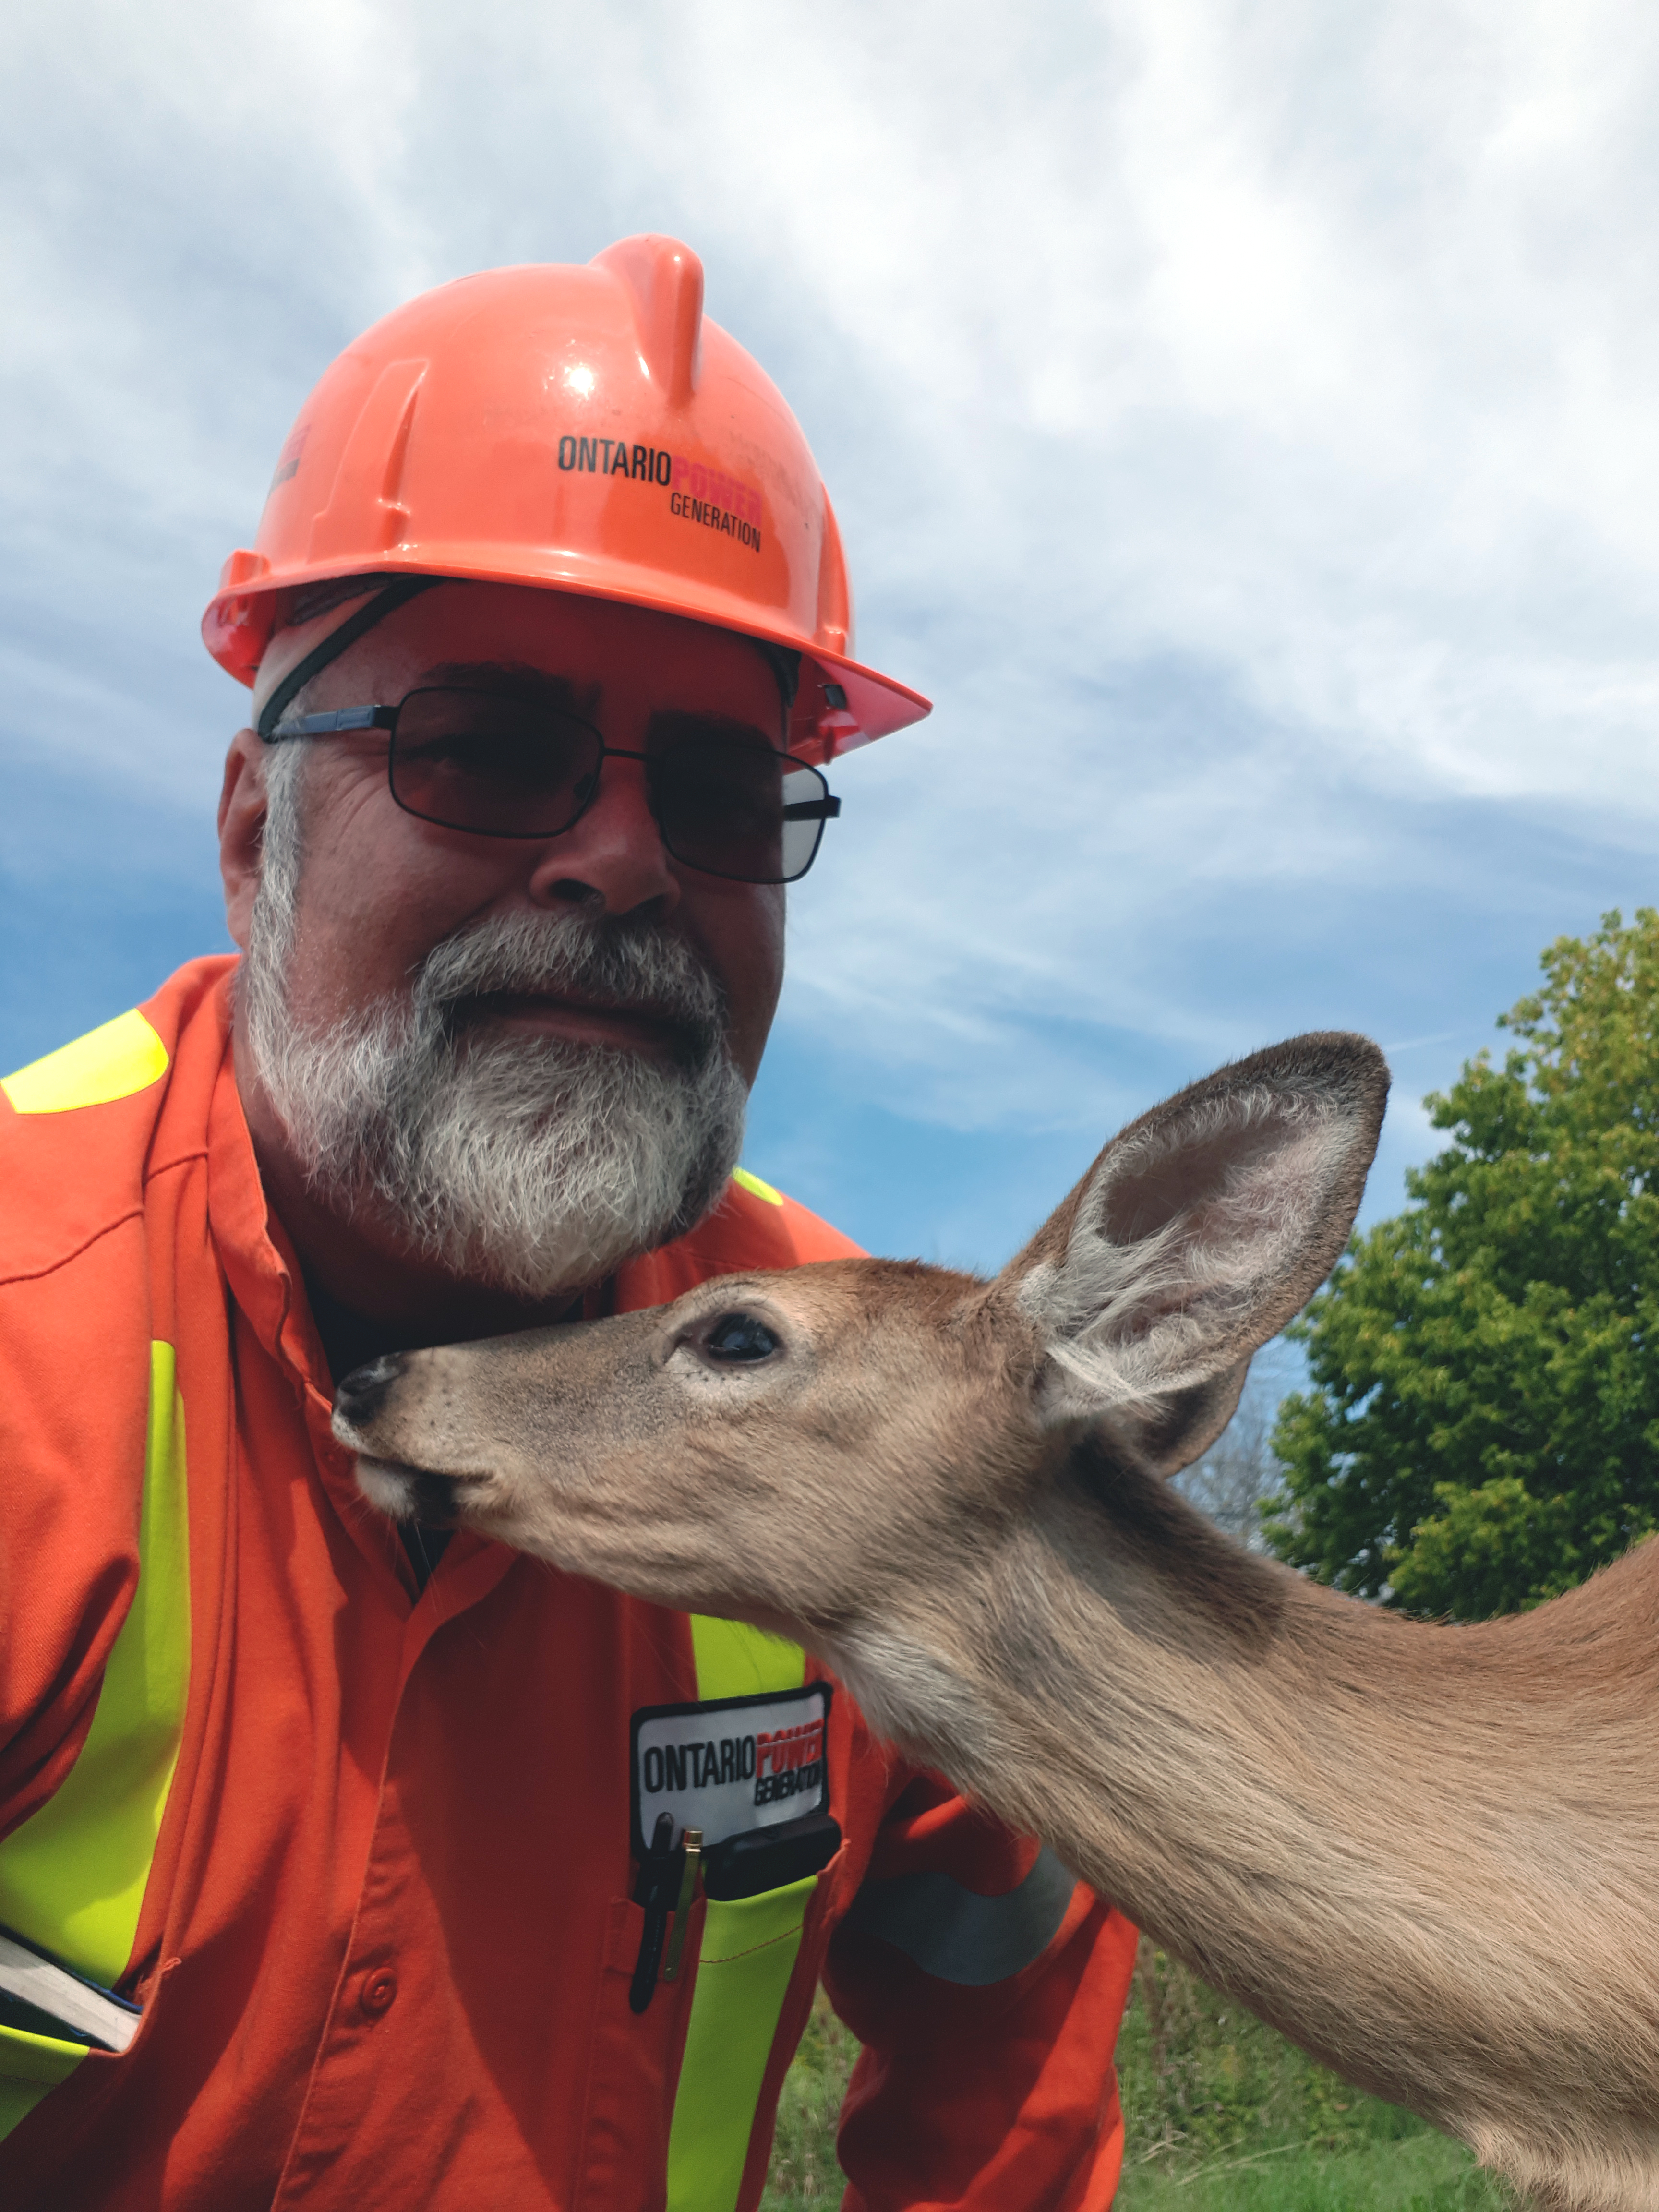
x=803, y=2171
x=1221, y=2115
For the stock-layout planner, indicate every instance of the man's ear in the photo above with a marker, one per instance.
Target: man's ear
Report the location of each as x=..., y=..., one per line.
x=1195, y=1236
x=241, y=831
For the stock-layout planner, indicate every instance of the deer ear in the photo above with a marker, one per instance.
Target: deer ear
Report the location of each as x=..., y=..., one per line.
x=1195, y=1236
x=1172, y=1431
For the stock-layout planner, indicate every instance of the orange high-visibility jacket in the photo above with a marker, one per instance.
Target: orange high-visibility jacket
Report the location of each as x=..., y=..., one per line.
x=364, y=1855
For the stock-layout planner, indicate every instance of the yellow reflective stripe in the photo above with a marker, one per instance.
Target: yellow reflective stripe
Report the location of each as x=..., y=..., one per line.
x=29, y=2066
x=748, y=1954
x=123, y=1056
x=72, y=1877
x=756, y=1187
x=749, y=1951
x=736, y=1661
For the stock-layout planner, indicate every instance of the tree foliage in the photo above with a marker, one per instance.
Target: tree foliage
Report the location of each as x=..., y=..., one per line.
x=1482, y=1424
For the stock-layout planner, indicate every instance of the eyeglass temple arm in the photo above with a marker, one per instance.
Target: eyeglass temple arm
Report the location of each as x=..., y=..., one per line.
x=813, y=810
x=323, y=726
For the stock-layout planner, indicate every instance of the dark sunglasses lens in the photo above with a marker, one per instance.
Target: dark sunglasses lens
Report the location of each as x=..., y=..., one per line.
x=504, y=768
x=738, y=811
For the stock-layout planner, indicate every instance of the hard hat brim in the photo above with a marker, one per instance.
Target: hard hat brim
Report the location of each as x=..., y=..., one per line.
x=241, y=621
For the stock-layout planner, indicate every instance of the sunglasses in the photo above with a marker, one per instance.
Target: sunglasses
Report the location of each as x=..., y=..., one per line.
x=725, y=802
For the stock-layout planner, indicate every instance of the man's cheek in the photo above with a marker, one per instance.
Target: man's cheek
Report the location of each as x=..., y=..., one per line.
x=740, y=931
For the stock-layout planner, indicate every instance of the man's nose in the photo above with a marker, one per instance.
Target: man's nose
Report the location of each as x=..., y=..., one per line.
x=613, y=858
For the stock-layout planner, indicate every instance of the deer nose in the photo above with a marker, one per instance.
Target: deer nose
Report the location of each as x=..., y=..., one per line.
x=359, y=1398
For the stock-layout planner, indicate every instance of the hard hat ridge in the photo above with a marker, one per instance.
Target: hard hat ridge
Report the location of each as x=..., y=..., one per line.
x=584, y=429
x=665, y=282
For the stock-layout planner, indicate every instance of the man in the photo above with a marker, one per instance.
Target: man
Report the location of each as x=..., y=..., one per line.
x=548, y=632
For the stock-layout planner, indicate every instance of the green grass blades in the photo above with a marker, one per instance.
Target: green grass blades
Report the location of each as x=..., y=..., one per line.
x=1221, y=2115
x=1421, y=2173
x=803, y=2171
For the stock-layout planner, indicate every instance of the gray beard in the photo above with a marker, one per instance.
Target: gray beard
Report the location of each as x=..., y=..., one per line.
x=526, y=1164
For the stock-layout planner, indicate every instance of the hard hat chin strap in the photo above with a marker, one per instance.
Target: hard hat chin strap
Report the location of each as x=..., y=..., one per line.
x=785, y=663
x=383, y=603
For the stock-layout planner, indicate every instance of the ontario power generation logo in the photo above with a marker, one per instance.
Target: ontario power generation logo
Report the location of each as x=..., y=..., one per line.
x=731, y=1765
x=707, y=498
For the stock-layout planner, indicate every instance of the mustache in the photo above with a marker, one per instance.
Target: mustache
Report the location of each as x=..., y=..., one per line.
x=638, y=966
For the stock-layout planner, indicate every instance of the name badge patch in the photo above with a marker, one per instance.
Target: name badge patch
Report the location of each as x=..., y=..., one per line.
x=730, y=1765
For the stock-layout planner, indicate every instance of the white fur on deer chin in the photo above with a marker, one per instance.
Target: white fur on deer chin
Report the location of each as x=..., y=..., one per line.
x=388, y=1486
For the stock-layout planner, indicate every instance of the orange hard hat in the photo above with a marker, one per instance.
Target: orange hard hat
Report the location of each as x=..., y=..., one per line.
x=582, y=428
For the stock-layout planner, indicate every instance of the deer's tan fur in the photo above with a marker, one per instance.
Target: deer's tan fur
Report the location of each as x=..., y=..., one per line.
x=1430, y=1855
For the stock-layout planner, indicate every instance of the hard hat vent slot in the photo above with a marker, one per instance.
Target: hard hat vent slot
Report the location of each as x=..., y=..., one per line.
x=371, y=472
x=664, y=280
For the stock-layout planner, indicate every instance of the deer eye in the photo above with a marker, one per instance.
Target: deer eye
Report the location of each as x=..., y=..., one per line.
x=739, y=1336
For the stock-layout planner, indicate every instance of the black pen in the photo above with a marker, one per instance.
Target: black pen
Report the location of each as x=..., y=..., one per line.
x=657, y=1890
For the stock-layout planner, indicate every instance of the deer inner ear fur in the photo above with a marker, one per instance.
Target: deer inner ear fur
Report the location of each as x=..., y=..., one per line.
x=1195, y=1236
x=1171, y=1432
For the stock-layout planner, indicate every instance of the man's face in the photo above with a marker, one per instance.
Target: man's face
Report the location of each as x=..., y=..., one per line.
x=382, y=888
x=516, y=1058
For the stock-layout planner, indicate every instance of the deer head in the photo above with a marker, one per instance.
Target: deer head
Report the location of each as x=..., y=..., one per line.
x=792, y=1448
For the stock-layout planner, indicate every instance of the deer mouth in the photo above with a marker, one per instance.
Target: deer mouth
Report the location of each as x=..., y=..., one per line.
x=413, y=1493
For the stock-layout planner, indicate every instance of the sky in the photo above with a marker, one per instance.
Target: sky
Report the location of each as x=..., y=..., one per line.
x=1240, y=420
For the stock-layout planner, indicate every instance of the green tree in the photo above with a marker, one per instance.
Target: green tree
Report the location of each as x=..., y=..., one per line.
x=1482, y=1424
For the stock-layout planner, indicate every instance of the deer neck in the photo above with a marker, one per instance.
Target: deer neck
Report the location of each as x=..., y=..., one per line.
x=1339, y=1817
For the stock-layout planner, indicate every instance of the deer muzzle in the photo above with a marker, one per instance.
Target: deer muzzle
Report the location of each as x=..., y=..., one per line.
x=360, y=1397
x=406, y=1494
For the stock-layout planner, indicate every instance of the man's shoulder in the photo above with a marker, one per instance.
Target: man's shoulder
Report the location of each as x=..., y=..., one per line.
x=753, y=1229
x=83, y=1128
x=753, y=1213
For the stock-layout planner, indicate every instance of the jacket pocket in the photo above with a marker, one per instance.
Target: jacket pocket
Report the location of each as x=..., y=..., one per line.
x=634, y=2065
x=745, y=1962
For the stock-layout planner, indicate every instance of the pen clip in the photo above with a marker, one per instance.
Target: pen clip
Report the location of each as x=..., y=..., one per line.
x=691, y=1843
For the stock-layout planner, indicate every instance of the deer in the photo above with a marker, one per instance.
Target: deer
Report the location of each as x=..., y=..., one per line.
x=1429, y=1853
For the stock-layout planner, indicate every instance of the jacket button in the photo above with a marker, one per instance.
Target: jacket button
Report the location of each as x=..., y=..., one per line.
x=379, y=1988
